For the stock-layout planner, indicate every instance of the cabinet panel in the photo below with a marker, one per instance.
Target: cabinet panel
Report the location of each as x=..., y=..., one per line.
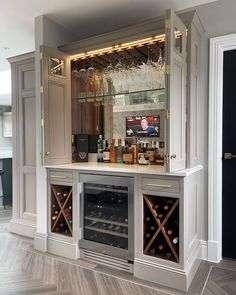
x=176, y=91
x=57, y=107
x=28, y=109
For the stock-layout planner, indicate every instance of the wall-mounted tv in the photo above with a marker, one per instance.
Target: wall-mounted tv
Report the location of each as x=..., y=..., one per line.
x=143, y=126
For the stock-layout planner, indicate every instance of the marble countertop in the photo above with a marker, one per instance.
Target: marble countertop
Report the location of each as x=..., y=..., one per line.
x=122, y=168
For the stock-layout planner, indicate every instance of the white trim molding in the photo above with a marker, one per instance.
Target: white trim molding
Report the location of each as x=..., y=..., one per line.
x=218, y=46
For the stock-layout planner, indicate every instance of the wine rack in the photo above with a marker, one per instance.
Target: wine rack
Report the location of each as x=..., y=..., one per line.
x=61, y=210
x=161, y=227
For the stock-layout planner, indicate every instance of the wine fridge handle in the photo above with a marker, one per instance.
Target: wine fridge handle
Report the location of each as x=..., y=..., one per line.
x=159, y=185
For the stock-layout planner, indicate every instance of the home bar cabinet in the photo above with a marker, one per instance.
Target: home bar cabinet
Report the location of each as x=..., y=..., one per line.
x=98, y=86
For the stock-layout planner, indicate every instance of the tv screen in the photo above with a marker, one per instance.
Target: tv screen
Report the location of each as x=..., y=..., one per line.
x=143, y=126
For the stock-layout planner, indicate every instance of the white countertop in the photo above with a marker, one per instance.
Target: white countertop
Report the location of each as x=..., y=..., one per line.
x=5, y=153
x=122, y=168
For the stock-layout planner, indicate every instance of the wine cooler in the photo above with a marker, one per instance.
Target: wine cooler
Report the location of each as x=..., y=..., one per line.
x=107, y=217
x=161, y=227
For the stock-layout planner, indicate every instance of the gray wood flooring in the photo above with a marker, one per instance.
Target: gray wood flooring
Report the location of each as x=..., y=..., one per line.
x=24, y=271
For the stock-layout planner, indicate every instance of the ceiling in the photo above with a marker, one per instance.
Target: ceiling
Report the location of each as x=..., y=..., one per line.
x=83, y=17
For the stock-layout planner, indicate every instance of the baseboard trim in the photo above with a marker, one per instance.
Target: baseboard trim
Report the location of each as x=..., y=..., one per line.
x=22, y=227
x=62, y=248
x=214, y=251
x=204, y=250
x=40, y=242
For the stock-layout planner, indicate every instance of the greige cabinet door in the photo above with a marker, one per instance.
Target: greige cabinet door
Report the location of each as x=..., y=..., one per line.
x=56, y=94
x=176, y=91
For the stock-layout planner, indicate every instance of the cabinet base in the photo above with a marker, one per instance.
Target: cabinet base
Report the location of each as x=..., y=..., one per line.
x=168, y=276
x=54, y=245
x=22, y=227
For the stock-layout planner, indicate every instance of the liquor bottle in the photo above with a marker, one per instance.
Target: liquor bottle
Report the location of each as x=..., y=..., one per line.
x=129, y=154
x=106, y=153
x=151, y=152
x=143, y=158
x=125, y=152
x=119, y=155
x=99, y=149
x=135, y=149
x=113, y=151
x=161, y=153
x=73, y=150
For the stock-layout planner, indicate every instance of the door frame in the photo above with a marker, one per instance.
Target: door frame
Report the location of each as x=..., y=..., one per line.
x=218, y=46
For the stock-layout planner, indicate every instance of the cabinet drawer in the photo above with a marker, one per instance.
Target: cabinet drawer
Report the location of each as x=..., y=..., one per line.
x=161, y=185
x=61, y=176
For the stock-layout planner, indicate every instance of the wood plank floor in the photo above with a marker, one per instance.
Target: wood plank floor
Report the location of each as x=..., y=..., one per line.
x=24, y=271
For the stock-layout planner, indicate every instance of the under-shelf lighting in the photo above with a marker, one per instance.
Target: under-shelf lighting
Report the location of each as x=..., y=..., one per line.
x=117, y=47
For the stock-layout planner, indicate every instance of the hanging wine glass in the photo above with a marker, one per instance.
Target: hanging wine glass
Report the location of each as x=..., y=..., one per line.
x=82, y=80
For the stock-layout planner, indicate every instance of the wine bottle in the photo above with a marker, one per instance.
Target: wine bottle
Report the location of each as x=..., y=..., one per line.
x=152, y=227
x=175, y=240
x=161, y=246
x=156, y=206
x=153, y=251
x=148, y=235
x=166, y=206
x=148, y=218
x=168, y=255
x=54, y=217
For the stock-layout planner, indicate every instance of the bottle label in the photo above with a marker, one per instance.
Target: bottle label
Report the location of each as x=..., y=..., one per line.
x=151, y=155
x=106, y=156
x=143, y=159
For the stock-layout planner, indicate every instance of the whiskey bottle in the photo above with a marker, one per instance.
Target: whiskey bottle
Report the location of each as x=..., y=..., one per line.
x=128, y=156
x=135, y=149
x=113, y=152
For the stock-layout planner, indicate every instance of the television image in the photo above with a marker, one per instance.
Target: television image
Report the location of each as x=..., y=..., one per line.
x=143, y=126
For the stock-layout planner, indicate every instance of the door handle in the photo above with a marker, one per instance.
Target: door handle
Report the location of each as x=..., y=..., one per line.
x=229, y=156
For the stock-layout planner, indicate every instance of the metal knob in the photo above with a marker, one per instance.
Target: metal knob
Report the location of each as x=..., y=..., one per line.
x=47, y=154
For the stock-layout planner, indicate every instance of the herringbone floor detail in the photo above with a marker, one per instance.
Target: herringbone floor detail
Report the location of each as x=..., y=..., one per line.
x=24, y=271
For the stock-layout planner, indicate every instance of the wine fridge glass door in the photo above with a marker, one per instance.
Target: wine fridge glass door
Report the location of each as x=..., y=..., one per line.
x=107, y=215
